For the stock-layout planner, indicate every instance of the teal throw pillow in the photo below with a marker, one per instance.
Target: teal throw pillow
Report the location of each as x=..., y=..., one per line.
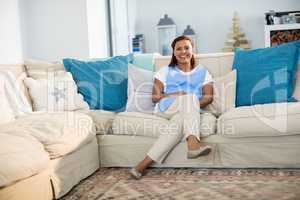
x=266, y=75
x=102, y=83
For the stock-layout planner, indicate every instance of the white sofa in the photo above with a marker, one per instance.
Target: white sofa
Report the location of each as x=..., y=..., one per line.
x=250, y=136
x=43, y=155
x=265, y=136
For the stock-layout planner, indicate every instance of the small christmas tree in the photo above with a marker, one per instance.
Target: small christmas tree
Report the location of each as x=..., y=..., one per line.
x=236, y=38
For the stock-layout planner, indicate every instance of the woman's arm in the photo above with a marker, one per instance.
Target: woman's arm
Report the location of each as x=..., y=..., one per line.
x=207, y=97
x=158, y=91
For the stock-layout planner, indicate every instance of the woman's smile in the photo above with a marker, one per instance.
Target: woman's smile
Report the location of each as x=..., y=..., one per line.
x=183, y=51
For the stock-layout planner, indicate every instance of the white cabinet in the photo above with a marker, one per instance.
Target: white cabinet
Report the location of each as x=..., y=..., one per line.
x=270, y=30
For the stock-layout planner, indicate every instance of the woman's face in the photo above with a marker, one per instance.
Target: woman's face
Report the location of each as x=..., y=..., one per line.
x=183, y=51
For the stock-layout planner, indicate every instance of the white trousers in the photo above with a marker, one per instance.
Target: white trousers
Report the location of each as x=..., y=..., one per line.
x=184, y=120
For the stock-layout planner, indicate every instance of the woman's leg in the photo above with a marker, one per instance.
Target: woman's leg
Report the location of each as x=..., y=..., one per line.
x=170, y=135
x=189, y=111
x=184, y=118
x=146, y=162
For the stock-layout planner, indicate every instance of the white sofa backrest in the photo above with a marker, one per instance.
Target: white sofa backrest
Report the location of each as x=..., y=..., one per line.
x=218, y=64
x=19, y=71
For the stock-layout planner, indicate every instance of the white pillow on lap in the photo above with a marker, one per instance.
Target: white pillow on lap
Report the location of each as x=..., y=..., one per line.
x=140, y=84
x=56, y=93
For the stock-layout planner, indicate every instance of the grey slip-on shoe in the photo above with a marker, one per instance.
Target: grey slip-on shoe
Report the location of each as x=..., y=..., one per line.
x=202, y=151
x=135, y=173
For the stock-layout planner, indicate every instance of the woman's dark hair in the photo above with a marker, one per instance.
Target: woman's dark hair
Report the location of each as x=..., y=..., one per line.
x=174, y=61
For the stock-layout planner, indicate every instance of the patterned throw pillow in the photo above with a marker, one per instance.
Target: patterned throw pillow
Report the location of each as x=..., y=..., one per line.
x=56, y=93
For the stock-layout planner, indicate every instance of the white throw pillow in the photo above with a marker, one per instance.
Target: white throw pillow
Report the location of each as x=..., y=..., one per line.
x=16, y=92
x=7, y=114
x=56, y=93
x=224, y=94
x=39, y=69
x=140, y=84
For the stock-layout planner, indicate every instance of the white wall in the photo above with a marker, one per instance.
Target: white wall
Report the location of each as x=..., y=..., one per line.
x=10, y=35
x=55, y=29
x=211, y=19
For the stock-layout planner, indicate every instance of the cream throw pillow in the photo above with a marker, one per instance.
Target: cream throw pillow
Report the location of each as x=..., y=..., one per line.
x=16, y=92
x=38, y=69
x=56, y=93
x=224, y=94
x=7, y=114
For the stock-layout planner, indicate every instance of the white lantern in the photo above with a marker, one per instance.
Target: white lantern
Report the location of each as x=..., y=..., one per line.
x=166, y=30
x=191, y=33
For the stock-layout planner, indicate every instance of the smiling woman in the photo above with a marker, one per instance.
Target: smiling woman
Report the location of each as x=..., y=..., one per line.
x=180, y=90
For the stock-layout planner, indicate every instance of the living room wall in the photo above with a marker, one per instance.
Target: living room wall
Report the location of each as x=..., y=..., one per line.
x=211, y=20
x=10, y=34
x=54, y=29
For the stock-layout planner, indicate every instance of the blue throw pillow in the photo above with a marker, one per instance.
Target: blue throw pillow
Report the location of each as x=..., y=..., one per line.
x=266, y=75
x=102, y=83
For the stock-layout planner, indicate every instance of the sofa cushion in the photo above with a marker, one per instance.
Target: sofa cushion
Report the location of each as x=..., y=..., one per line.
x=60, y=133
x=21, y=156
x=135, y=123
x=278, y=119
x=103, y=120
x=266, y=75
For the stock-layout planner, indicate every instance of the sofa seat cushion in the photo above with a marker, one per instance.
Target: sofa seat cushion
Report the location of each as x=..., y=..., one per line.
x=136, y=123
x=21, y=156
x=277, y=119
x=60, y=133
x=103, y=120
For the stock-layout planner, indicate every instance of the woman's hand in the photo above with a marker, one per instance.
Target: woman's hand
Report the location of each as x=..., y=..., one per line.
x=158, y=94
x=157, y=91
x=207, y=97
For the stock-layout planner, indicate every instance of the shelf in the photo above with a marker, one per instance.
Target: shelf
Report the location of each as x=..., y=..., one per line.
x=282, y=27
x=278, y=27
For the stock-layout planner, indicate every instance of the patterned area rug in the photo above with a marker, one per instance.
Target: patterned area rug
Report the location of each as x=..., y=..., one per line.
x=206, y=184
